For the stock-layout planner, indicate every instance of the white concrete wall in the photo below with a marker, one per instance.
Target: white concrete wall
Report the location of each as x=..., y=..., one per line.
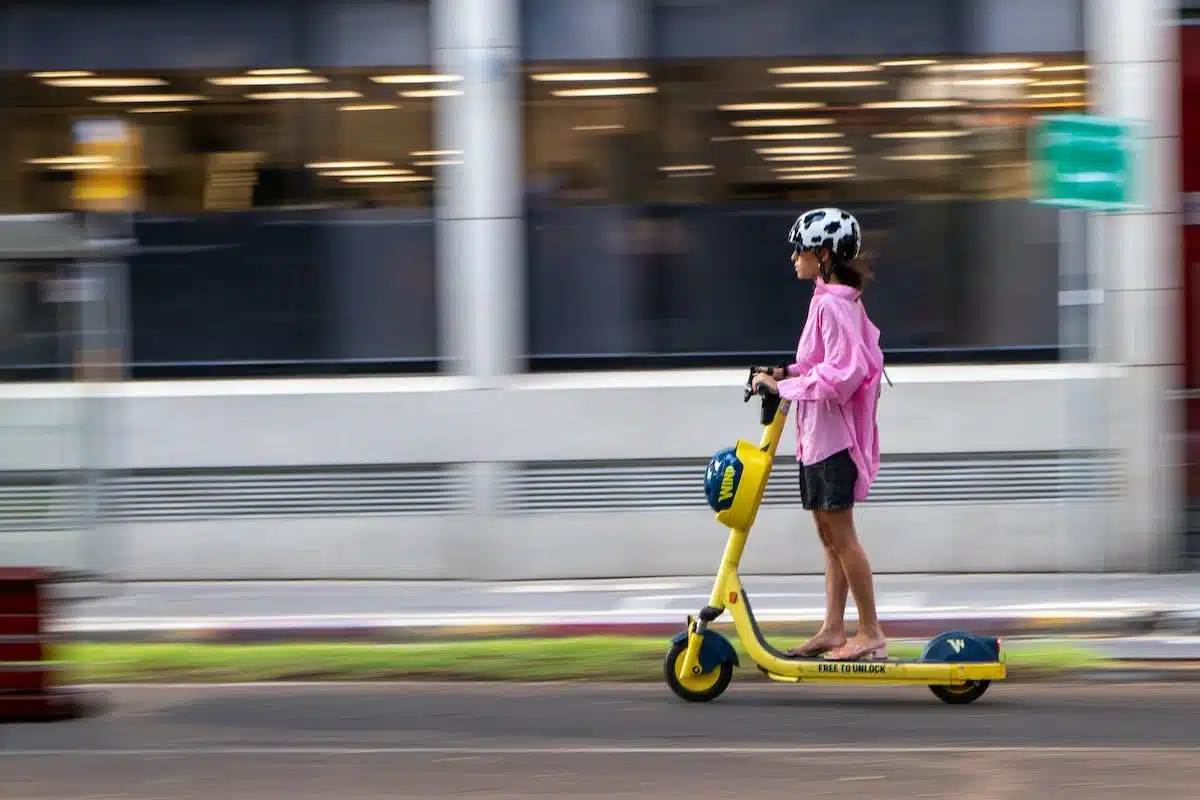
x=1133, y=50
x=630, y=415
x=253, y=425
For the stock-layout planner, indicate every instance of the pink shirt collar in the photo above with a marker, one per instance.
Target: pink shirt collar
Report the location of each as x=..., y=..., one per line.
x=836, y=289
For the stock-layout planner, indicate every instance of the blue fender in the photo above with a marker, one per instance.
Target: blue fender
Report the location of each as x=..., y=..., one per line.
x=959, y=646
x=715, y=650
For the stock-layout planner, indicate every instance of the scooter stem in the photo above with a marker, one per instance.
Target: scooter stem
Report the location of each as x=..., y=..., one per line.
x=736, y=543
x=774, y=432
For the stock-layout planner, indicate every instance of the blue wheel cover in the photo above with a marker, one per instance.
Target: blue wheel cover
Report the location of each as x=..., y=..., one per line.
x=956, y=647
x=721, y=479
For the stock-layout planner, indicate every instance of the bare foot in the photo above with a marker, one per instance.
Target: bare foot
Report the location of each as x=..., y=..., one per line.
x=861, y=646
x=821, y=642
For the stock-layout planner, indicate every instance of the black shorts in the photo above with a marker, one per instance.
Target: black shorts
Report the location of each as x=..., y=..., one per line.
x=828, y=485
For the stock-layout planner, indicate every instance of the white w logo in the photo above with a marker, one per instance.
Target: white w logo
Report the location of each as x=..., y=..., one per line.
x=957, y=644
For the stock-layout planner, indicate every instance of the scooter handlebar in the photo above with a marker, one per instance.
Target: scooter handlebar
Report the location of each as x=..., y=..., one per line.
x=761, y=391
x=770, y=400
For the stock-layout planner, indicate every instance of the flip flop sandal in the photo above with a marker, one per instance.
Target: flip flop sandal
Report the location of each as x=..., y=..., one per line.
x=862, y=654
x=801, y=652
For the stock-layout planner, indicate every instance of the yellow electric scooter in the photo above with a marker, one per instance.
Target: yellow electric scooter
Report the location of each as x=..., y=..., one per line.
x=957, y=666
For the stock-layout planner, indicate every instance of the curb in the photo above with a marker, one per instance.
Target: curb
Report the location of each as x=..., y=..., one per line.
x=1139, y=672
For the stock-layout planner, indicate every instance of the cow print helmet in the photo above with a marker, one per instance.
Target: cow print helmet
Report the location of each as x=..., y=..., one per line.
x=827, y=227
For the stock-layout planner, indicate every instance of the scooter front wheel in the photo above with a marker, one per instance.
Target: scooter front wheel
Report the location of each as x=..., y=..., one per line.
x=695, y=688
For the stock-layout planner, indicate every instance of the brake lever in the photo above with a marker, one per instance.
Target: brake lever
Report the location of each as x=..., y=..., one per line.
x=762, y=390
x=749, y=387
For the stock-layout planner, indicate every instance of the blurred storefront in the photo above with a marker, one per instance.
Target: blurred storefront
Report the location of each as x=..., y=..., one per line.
x=664, y=185
x=289, y=175
x=299, y=174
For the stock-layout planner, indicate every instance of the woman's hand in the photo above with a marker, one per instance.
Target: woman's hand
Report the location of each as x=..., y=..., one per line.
x=762, y=379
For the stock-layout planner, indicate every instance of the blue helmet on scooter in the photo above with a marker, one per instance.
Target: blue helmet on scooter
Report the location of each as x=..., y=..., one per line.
x=721, y=479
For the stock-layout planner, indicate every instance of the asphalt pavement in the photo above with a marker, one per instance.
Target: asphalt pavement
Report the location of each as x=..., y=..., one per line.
x=504, y=740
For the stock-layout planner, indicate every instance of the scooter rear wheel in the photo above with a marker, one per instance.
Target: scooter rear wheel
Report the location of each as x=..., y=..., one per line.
x=696, y=688
x=969, y=692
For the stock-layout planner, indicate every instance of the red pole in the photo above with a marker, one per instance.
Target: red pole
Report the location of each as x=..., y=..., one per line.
x=1189, y=146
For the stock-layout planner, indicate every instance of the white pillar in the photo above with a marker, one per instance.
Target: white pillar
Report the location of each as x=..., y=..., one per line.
x=479, y=216
x=479, y=234
x=1133, y=50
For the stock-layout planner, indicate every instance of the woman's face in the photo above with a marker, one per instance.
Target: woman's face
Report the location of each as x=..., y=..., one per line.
x=807, y=267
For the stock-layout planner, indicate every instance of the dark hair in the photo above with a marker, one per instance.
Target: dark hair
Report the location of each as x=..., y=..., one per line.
x=855, y=273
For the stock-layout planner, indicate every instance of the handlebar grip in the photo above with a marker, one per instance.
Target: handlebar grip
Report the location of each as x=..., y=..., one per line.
x=761, y=390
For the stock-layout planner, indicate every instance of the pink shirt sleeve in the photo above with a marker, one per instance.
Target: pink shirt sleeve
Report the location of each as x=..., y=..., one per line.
x=841, y=372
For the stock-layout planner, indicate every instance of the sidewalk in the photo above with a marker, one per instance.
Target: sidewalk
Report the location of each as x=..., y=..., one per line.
x=911, y=606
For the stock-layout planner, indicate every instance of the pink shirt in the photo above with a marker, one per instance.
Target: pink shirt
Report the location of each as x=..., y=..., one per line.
x=834, y=384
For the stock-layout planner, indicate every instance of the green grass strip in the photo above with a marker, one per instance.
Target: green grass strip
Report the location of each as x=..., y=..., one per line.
x=596, y=658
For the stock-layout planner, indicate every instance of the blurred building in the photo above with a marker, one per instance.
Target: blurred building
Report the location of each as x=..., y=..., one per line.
x=540, y=197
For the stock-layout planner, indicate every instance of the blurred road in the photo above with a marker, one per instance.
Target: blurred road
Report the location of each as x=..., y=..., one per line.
x=503, y=741
x=150, y=606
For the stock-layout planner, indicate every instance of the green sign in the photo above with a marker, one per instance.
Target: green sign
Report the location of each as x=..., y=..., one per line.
x=1083, y=161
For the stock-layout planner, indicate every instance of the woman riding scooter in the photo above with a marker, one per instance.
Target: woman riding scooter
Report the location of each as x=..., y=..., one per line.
x=834, y=385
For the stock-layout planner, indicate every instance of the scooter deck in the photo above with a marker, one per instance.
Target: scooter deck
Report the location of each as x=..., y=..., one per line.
x=822, y=660
x=883, y=671
x=880, y=671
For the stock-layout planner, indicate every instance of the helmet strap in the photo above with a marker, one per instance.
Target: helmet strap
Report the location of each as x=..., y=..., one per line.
x=824, y=266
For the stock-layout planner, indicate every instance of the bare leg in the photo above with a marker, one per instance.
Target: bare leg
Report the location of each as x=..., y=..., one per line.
x=857, y=569
x=833, y=631
x=836, y=591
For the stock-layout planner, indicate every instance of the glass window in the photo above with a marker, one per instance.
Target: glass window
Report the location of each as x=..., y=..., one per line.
x=660, y=193
x=287, y=225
